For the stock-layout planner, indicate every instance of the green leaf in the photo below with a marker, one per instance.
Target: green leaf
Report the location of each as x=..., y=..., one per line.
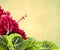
x=33, y=48
x=18, y=43
x=3, y=47
x=29, y=42
x=16, y=40
x=3, y=43
x=48, y=45
x=10, y=39
x=3, y=40
x=32, y=44
x=19, y=46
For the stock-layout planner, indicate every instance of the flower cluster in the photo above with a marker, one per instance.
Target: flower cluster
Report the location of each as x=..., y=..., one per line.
x=8, y=25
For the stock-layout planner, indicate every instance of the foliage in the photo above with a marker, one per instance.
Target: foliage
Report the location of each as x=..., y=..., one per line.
x=16, y=42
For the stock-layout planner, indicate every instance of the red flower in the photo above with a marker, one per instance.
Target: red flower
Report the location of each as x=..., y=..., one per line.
x=8, y=25
x=1, y=11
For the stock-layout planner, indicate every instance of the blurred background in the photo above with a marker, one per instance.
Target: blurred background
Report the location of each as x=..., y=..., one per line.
x=43, y=21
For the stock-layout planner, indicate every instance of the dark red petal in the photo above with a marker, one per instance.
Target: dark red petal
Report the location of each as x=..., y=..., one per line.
x=21, y=32
x=7, y=13
x=1, y=11
x=2, y=31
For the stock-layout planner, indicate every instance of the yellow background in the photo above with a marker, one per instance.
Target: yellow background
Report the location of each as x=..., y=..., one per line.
x=43, y=21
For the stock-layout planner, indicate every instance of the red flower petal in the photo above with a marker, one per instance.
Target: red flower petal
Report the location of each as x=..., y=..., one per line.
x=8, y=24
x=21, y=32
